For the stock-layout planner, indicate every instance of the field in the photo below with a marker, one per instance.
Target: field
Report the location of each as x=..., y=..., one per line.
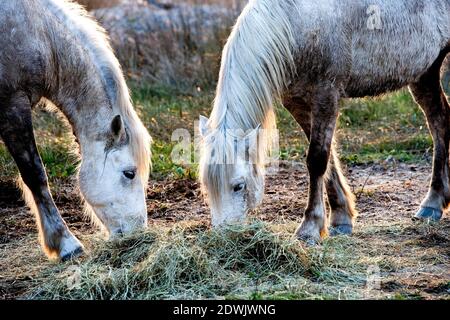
x=386, y=152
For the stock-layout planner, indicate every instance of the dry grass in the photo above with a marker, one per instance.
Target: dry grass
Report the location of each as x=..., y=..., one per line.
x=254, y=261
x=184, y=261
x=96, y=4
x=179, y=47
x=179, y=259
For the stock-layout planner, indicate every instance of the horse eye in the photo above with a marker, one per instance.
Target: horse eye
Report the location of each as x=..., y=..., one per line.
x=129, y=174
x=239, y=187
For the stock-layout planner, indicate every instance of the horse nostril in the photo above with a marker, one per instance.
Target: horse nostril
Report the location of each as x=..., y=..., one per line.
x=119, y=232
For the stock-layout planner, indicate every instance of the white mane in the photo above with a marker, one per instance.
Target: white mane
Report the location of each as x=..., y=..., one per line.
x=256, y=63
x=95, y=40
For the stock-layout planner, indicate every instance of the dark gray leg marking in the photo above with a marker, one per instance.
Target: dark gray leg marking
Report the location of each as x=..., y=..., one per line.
x=340, y=198
x=429, y=94
x=324, y=112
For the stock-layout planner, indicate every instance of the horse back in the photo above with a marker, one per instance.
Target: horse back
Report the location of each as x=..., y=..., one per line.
x=410, y=36
x=371, y=46
x=25, y=54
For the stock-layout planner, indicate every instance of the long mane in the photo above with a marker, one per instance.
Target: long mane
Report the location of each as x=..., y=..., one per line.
x=96, y=41
x=257, y=63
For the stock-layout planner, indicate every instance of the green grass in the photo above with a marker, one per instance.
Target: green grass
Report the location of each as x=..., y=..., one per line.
x=59, y=161
x=163, y=166
x=417, y=148
x=388, y=127
x=7, y=166
x=397, y=109
x=369, y=131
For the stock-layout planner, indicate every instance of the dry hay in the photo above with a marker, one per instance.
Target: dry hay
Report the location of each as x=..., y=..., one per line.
x=185, y=261
x=258, y=260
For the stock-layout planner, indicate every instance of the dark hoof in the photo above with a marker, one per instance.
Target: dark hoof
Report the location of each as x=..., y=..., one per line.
x=427, y=213
x=343, y=229
x=72, y=255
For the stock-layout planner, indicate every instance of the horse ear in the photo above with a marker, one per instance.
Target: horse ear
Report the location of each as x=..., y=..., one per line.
x=117, y=127
x=251, y=144
x=253, y=133
x=203, y=126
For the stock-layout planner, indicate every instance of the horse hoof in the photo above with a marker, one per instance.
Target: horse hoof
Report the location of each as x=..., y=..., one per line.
x=427, y=213
x=70, y=247
x=72, y=255
x=343, y=229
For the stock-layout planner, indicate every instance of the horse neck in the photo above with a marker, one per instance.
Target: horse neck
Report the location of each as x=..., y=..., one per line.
x=73, y=78
x=254, y=73
x=80, y=94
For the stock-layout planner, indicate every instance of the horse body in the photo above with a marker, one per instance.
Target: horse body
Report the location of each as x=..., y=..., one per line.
x=320, y=52
x=53, y=53
x=334, y=41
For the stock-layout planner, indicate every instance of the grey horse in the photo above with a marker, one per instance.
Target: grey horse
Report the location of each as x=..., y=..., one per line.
x=309, y=55
x=51, y=52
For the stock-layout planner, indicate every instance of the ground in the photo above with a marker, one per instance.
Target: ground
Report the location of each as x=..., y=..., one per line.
x=413, y=257
x=386, y=151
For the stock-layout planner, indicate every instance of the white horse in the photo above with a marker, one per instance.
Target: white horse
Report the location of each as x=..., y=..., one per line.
x=52, y=52
x=309, y=55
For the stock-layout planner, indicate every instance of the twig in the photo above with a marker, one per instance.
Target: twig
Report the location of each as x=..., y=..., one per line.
x=358, y=195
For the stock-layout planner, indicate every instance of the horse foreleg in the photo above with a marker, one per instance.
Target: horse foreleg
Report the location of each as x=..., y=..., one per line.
x=429, y=95
x=324, y=112
x=16, y=130
x=340, y=198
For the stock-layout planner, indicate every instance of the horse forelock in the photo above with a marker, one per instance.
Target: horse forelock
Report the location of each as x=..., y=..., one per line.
x=95, y=40
x=219, y=156
x=215, y=171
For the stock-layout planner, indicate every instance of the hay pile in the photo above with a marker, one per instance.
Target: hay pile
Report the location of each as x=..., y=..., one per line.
x=186, y=261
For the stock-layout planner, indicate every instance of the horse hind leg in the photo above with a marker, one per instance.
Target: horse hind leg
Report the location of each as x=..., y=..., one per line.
x=429, y=95
x=16, y=131
x=340, y=198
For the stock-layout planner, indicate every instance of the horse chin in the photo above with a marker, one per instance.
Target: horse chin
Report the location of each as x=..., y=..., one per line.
x=225, y=220
x=116, y=225
x=124, y=230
